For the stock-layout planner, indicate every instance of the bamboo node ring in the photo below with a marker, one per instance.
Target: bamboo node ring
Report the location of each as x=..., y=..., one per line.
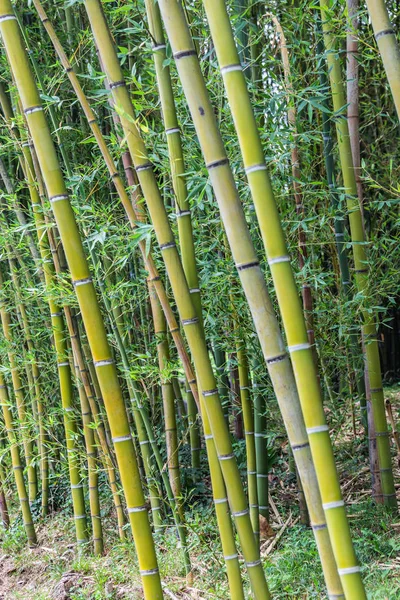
x=317, y=527
x=278, y=259
x=32, y=109
x=317, y=429
x=172, y=130
x=144, y=167
x=230, y=68
x=209, y=436
x=116, y=84
x=59, y=197
x=159, y=47
x=330, y=505
x=217, y=163
x=210, y=392
x=298, y=347
x=184, y=54
x=226, y=456
x=300, y=446
x=63, y=364
x=254, y=168
x=193, y=321
x=241, y=513
x=194, y=291
x=167, y=245
x=8, y=18
x=276, y=359
x=220, y=500
x=249, y=265
x=80, y=517
x=231, y=557
x=384, y=32
x=349, y=570
x=137, y=509
x=149, y=572
x=184, y=213
x=123, y=438
x=256, y=563
x=103, y=363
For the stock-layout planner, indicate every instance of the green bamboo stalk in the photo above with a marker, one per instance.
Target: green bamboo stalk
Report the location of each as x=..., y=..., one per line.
x=260, y=439
x=16, y=462
x=132, y=212
x=248, y=421
x=361, y=266
x=19, y=393
x=146, y=438
x=91, y=453
x=237, y=232
x=4, y=514
x=385, y=37
x=183, y=217
x=168, y=397
x=181, y=292
x=87, y=299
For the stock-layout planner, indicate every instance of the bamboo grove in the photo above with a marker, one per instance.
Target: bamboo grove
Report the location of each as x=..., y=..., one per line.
x=197, y=270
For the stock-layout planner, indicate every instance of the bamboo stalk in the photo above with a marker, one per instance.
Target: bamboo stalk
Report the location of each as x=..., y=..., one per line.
x=181, y=292
x=232, y=215
x=369, y=328
x=385, y=37
x=87, y=299
x=16, y=463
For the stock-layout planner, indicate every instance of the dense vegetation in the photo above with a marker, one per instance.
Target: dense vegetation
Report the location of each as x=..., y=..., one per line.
x=199, y=299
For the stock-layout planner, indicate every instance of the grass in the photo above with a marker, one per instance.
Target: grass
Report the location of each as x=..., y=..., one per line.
x=292, y=568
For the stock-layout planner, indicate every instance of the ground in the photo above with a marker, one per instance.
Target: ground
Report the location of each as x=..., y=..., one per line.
x=55, y=571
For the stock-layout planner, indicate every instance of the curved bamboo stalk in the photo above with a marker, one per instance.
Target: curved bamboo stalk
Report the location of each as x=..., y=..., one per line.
x=360, y=258
x=181, y=292
x=385, y=37
x=87, y=299
x=238, y=235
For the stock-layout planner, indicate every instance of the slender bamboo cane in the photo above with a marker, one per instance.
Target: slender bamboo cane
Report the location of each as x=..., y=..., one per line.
x=237, y=231
x=147, y=437
x=360, y=258
x=339, y=228
x=248, y=421
x=16, y=462
x=182, y=296
x=168, y=396
x=4, y=514
x=87, y=299
x=91, y=453
x=177, y=165
x=260, y=438
x=19, y=392
x=131, y=211
x=385, y=37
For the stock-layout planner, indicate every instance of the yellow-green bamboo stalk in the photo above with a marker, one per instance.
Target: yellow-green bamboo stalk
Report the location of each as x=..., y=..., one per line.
x=168, y=397
x=93, y=478
x=248, y=421
x=181, y=292
x=105, y=367
x=19, y=393
x=131, y=211
x=388, y=47
x=361, y=266
x=238, y=234
x=183, y=217
x=16, y=463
